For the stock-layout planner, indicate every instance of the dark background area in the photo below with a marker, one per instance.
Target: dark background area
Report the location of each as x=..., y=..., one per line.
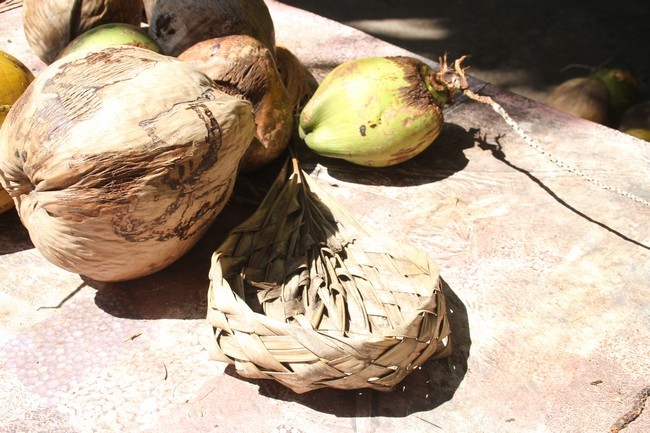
x=526, y=46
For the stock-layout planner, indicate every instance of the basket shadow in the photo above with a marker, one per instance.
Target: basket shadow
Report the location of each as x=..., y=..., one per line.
x=433, y=384
x=442, y=159
x=179, y=291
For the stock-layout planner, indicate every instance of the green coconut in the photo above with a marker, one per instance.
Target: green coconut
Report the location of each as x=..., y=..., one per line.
x=623, y=89
x=112, y=34
x=636, y=121
x=376, y=111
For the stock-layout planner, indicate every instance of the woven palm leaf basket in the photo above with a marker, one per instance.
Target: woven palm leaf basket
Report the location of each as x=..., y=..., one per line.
x=303, y=294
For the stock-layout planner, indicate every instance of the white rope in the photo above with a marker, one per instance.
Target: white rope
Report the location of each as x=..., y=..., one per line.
x=553, y=159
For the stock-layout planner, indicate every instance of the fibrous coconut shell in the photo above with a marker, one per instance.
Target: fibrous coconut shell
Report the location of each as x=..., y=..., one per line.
x=585, y=97
x=298, y=80
x=178, y=24
x=120, y=158
x=243, y=65
x=50, y=25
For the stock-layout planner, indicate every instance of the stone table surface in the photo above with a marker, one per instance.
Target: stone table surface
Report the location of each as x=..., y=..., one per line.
x=546, y=277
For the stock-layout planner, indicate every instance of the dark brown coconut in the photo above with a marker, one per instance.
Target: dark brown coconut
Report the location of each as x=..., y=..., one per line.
x=585, y=97
x=178, y=24
x=50, y=25
x=243, y=65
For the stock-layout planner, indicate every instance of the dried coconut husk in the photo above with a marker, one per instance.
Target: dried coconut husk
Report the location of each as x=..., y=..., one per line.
x=119, y=159
x=298, y=80
x=585, y=97
x=303, y=294
x=242, y=65
x=178, y=24
x=50, y=25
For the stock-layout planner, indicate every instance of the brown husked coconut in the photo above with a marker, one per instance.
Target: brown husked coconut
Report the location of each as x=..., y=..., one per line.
x=298, y=80
x=120, y=158
x=178, y=24
x=585, y=97
x=243, y=65
x=50, y=25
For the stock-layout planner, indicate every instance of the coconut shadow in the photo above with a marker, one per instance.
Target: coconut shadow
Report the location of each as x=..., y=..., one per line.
x=14, y=236
x=180, y=291
x=442, y=159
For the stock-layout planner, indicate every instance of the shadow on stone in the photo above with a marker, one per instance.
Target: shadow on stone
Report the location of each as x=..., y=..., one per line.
x=442, y=159
x=15, y=237
x=179, y=291
x=525, y=48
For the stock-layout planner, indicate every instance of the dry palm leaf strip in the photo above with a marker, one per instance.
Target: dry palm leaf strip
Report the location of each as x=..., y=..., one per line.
x=303, y=294
x=7, y=5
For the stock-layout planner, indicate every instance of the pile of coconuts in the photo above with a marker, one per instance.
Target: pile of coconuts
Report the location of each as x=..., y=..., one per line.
x=126, y=147
x=608, y=95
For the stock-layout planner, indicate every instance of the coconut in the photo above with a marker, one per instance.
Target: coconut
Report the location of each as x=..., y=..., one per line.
x=50, y=25
x=636, y=121
x=376, y=111
x=178, y=24
x=111, y=34
x=585, y=97
x=14, y=79
x=243, y=65
x=120, y=158
x=623, y=89
x=298, y=80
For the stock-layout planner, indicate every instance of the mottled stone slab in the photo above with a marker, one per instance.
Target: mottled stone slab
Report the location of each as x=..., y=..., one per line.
x=546, y=277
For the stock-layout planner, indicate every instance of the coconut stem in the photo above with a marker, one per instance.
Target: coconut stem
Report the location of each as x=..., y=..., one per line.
x=4, y=108
x=450, y=80
x=457, y=81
